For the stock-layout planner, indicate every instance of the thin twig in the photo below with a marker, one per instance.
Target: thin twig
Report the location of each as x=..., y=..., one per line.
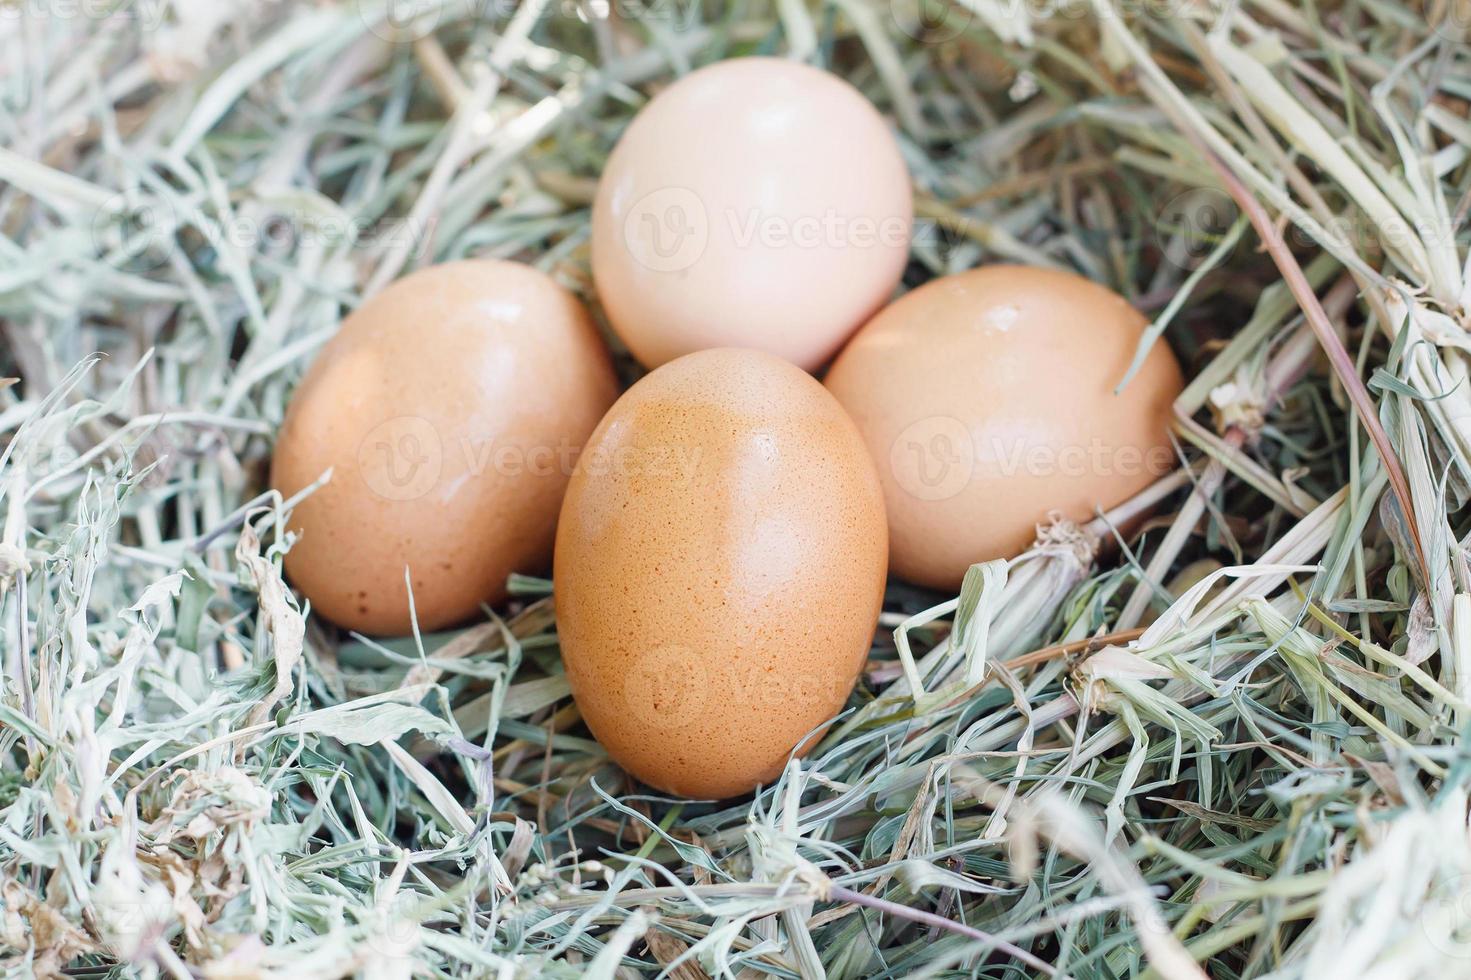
x=841, y=894
x=1338, y=356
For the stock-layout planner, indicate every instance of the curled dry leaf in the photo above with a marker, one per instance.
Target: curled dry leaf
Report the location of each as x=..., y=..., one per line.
x=279, y=619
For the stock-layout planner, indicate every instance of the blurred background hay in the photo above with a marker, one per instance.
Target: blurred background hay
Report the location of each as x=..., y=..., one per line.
x=1227, y=745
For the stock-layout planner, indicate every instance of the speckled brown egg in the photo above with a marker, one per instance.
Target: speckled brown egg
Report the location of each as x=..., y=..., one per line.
x=450, y=408
x=719, y=571
x=988, y=401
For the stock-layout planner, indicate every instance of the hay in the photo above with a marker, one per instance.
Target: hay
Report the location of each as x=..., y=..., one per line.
x=1230, y=746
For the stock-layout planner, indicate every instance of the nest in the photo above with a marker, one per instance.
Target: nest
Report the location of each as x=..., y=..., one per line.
x=1216, y=734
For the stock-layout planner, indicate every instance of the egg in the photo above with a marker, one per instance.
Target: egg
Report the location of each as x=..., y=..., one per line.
x=450, y=408
x=719, y=570
x=988, y=402
x=755, y=203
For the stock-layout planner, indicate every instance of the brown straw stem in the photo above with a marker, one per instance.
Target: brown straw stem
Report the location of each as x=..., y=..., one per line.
x=1338, y=356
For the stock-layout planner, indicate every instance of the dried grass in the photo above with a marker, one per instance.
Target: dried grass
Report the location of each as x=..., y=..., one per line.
x=1229, y=747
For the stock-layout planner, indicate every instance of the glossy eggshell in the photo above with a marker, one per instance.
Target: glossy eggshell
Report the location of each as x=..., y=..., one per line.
x=754, y=203
x=988, y=401
x=719, y=572
x=449, y=407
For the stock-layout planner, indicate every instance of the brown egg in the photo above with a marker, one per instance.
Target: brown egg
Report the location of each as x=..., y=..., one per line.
x=450, y=408
x=754, y=203
x=719, y=570
x=988, y=400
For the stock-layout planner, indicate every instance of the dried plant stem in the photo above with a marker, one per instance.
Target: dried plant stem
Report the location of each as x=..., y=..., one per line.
x=841, y=894
x=1264, y=781
x=1338, y=357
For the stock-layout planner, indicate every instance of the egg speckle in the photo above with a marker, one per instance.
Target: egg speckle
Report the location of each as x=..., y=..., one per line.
x=718, y=581
x=754, y=203
x=987, y=399
x=449, y=409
